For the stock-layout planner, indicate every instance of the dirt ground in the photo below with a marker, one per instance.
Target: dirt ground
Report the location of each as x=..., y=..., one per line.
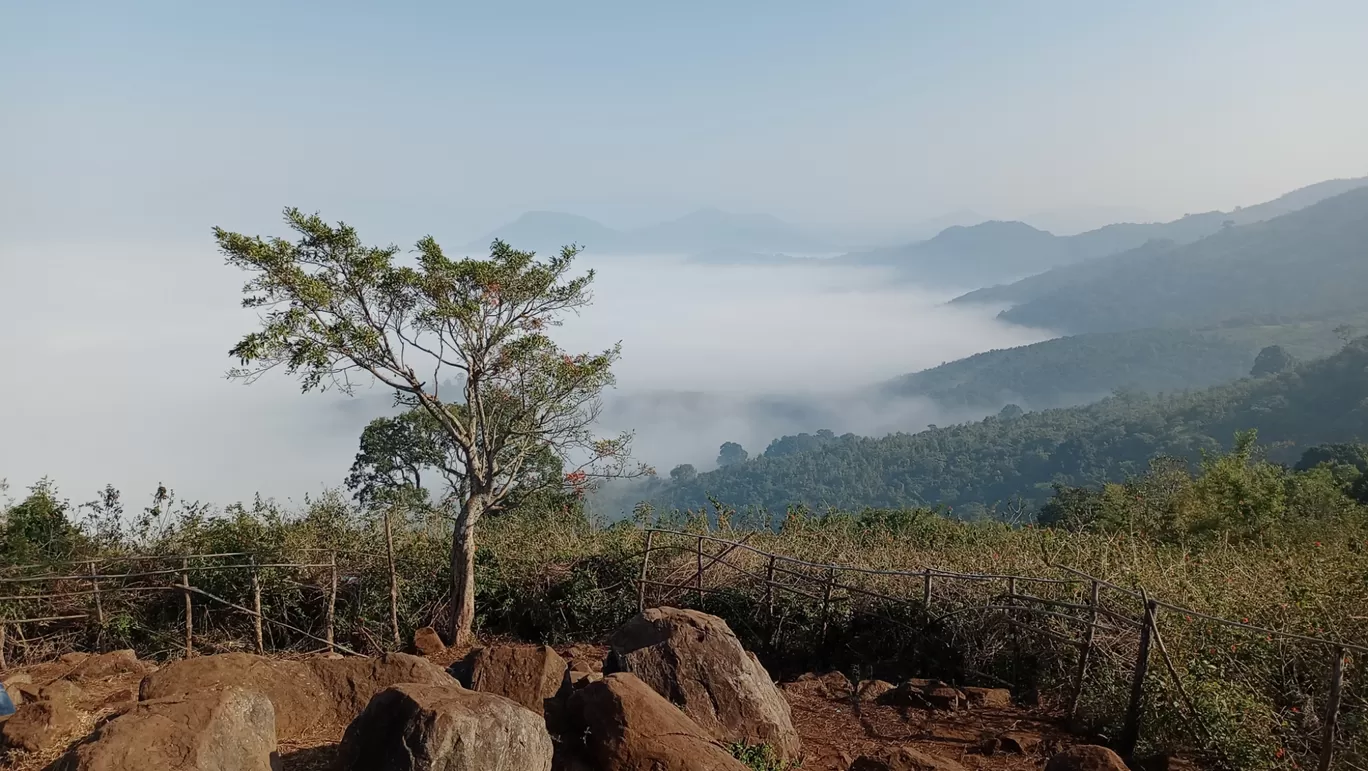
x=834, y=730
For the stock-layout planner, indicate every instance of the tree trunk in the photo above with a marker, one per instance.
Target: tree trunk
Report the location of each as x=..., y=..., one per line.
x=463, y=572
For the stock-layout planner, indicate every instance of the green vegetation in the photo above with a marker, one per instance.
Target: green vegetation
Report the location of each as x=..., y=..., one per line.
x=1075, y=370
x=336, y=310
x=977, y=468
x=1309, y=261
x=758, y=757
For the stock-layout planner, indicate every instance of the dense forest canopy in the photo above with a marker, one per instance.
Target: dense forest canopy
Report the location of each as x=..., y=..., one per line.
x=975, y=466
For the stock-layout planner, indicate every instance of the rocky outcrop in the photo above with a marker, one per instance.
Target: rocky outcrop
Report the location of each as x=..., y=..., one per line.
x=1086, y=757
x=112, y=664
x=926, y=694
x=628, y=726
x=528, y=674
x=227, y=729
x=991, y=698
x=904, y=759
x=426, y=642
x=305, y=694
x=831, y=685
x=37, y=725
x=413, y=727
x=872, y=690
x=695, y=662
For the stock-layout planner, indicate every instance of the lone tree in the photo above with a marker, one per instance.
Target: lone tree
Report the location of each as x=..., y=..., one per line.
x=338, y=313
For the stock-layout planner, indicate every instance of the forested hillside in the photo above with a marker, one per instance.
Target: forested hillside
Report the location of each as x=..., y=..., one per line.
x=998, y=251
x=976, y=465
x=1074, y=370
x=1310, y=261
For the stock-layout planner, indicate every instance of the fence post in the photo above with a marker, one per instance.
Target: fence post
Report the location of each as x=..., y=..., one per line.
x=1130, y=734
x=1016, y=634
x=698, y=579
x=826, y=605
x=1086, y=654
x=769, y=587
x=3, y=628
x=189, y=608
x=332, y=599
x=926, y=589
x=645, y=565
x=256, y=609
x=1327, y=752
x=95, y=584
x=393, y=579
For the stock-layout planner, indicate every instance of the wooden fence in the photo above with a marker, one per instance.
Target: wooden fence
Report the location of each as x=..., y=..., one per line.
x=1021, y=602
x=100, y=582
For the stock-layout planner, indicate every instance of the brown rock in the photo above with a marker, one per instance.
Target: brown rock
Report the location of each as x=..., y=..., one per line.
x=305, y=694
x=64, y=691
x=993, y=698
x=584, y=666
x=38, y=725
x=831, y=685
x=215, y=730
x=75, y=657
x=581, y=679
x=925, y=694
x=630, y=727
x=412, y=727
x=1086, y=757
x=872, y=690
x=104, y=665
x=950, y=733
x=527, y=674
x=14, y=684
x=426, y=642
x=1019, y=742
x=904, y=759
x=695, y=661
x=121, y=696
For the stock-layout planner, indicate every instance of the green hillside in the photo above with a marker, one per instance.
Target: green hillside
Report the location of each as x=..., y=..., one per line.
x=973, y=465
x=1312, y=261
x=1083, y=368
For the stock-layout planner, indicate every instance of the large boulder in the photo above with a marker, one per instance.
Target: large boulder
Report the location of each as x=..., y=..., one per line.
x=306, y=694
x=412, y=727
x=527, y=674
x=215, y=730
x=628, y=726
x=1086, y=757
x=103, y=665
x=695, y=661
x=37, y=725
x=904, y=759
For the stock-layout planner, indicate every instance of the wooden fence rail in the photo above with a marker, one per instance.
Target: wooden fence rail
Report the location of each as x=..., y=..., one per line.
x=1015, y=606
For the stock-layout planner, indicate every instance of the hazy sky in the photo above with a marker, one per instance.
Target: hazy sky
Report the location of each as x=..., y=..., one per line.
x=128, y=129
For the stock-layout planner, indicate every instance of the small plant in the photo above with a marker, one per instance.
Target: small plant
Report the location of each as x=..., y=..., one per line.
x=758, y=757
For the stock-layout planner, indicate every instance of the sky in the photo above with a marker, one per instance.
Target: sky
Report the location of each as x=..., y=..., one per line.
x=128, y=130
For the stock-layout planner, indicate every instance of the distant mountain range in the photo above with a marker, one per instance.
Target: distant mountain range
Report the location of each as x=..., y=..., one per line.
x=998, y=251
x=1311, y=261
x=706, y=231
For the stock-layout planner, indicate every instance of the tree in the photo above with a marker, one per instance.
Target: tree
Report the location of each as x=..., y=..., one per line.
x=336, y=312
x=683, y=472
x=730, y=454
x=1010, y=412
x=1345, y=333
x=1272, y=360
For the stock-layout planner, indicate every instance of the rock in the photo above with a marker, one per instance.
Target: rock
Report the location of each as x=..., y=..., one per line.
x=695, y=661
x=64, y=691
x=831, y=685
x=1086, y=757
x=14, y=686
x=527, y=674
x=904, y=759
x=104, y=665
x=1019, y=742
x=426, y=642
x=993, y=698
x=213, y=730
x=585, y=666
x=630, y=727
x=305, y=694
x=872, y=690
x=38, y=725
x=581, y=679
x=121, y=696
x=925, y=694
x=75, y=657
x=412, y=727
x=950, y=733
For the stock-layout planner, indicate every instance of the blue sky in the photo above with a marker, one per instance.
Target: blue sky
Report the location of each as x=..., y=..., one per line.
x=154, y=117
